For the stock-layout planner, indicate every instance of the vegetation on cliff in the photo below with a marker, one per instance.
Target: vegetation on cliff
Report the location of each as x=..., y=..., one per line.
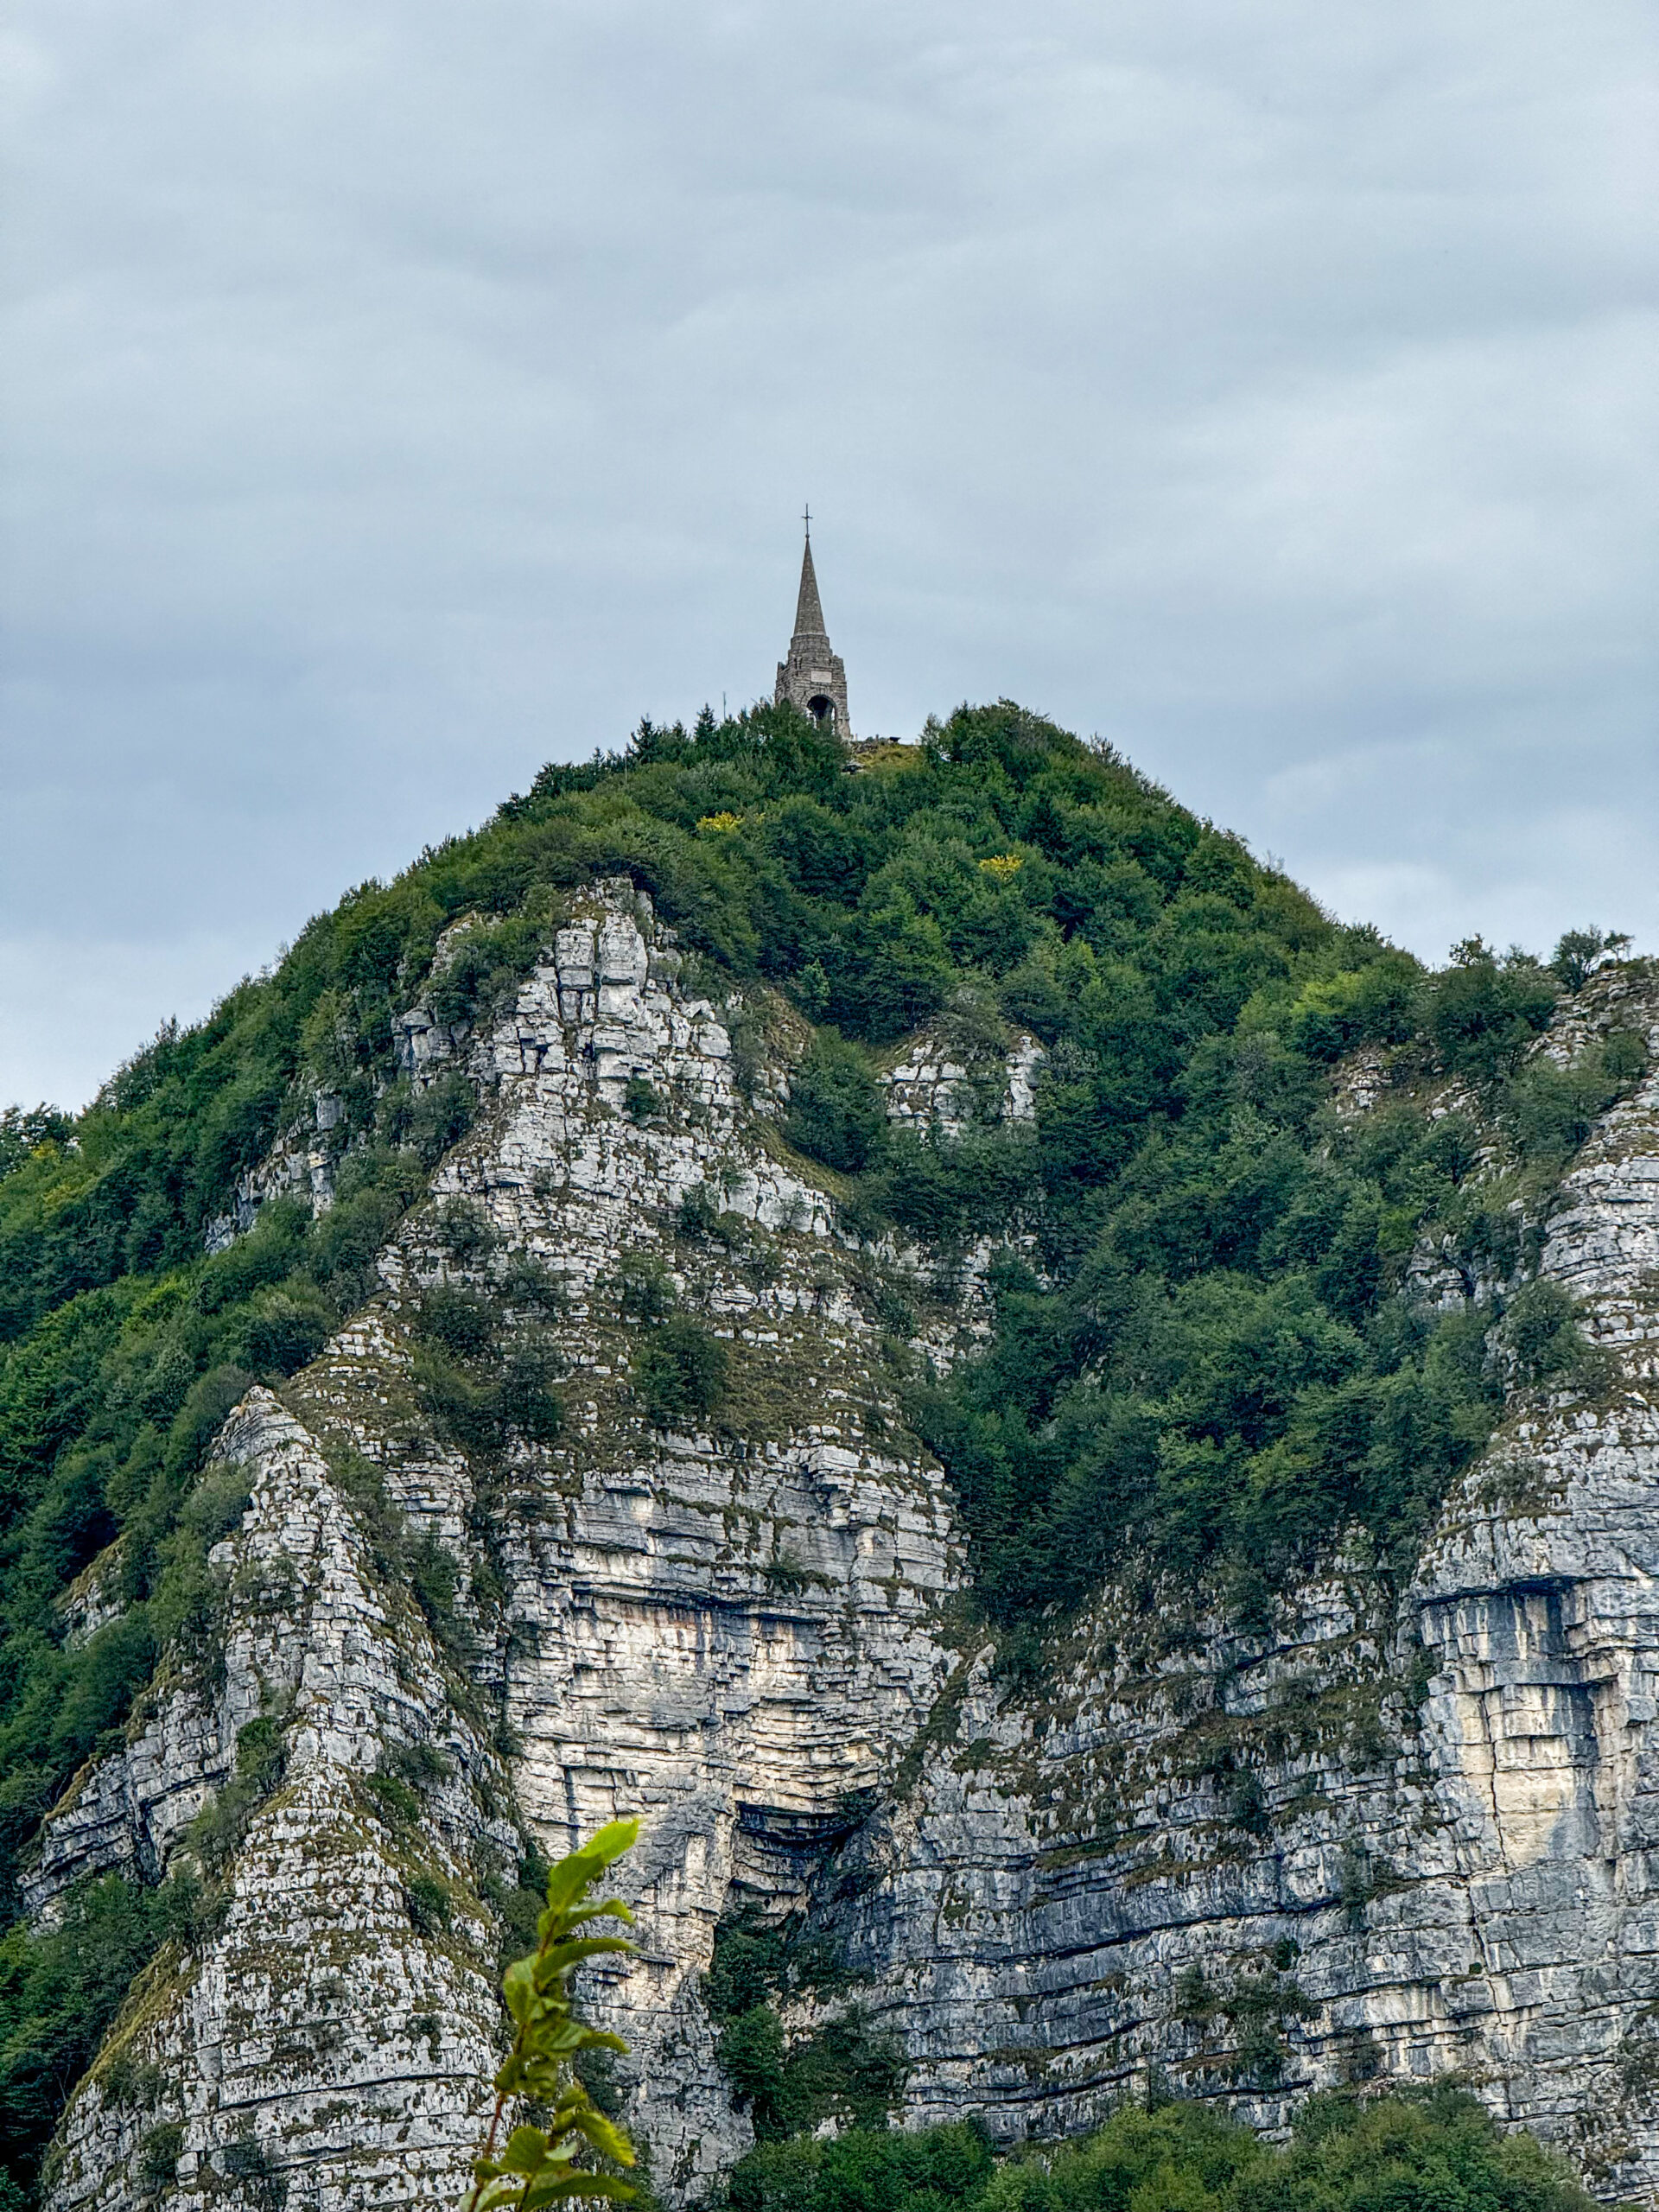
x=1207, y=1355
x=1430, y=2151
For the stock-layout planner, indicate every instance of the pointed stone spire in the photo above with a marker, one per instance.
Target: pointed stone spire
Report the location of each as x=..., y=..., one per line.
x=813, y=678
x=809, y=608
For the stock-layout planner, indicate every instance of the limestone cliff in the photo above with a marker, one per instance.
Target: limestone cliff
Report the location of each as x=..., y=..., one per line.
x=1383, y=1834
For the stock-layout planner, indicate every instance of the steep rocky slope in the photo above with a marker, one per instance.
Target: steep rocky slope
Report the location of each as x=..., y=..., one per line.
x=1378, y=1834
x=1386, y=1839
x=728, y=1639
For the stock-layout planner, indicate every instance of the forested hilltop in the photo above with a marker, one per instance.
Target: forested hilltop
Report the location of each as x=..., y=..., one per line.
x=1210, y=1359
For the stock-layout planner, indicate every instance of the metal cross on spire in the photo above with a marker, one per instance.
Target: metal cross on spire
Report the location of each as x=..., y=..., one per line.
x=807, y=519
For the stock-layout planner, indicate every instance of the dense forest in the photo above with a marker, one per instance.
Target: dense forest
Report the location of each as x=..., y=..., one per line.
x=1434, y=2151
x=1207, y=1362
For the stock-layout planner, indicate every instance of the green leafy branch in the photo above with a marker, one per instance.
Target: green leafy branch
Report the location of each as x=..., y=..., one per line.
x=537, y=2165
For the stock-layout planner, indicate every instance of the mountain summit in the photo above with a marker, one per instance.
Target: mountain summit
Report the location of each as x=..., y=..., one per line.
x=1076, y=1439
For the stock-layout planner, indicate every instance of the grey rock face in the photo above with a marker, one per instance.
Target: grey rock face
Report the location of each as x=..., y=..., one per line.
x=313, y=2034
x=1385, y=1842
x=931, y=1086
x=730, y=1639
x=1392, y=1837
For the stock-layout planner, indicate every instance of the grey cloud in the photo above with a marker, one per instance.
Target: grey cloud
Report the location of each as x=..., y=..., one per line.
x=400, y=396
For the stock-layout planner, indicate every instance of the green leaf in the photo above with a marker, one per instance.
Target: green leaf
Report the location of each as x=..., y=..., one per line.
x=486, y=2196
x=613, y=1906
x=579, y=2184
x=605, y=2137
x=562, y=1956
x=613, y=1840
x=526, y=2151
x=519, y=1987
x=567, y=1881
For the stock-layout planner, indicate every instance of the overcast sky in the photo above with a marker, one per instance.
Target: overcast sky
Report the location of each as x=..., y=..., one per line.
x=398, y=395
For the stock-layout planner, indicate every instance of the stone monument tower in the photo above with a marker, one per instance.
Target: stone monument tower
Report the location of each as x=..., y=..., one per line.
x=813, y=678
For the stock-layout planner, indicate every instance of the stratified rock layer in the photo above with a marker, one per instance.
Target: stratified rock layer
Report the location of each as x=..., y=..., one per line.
x=730, y=1637
x=1386, y=1842
x=1393, y=1837
x=312, y=2033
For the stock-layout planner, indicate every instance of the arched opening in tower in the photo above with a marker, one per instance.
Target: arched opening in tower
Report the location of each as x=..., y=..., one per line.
x=821, y=709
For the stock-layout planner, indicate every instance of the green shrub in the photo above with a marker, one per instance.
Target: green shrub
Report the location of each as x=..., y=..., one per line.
x=528, y=1283
x=680, y=1371
x=929, y=2170
x=23, y=1131
x=116, y=1666
x=698, y=1217
x=202, y=1414
x=751, y=2051
x=59, y=1988
x=1181, y=2159
x=397, y=1800
x=463, y=1229
x=218, y=1829
x=1579, y=951
x=260, y=2182
x=644, y=1287
x=640, y=1100
x=842, y=2070
x=1377, y=1003
x=421, y=1765
x=440, y=1115
x=473, y=1410
x=1483, y=1011
x=762, y=1264
x=261, y=1750
x=434, y=1581
x=520, y=1908
x=428, y=1902
x=947, y=1189
x=268, y=1255
x=281, y=1331
x=464, y=1409
x=128, y=2083
x=1548, y=1111
x=1623, y=1056
x=835, y=1110
x=746, y=1969
x=1417, y=2151
x=158, y=2162
x=527, y=1398
x=1541, y=1333
x=485, y=968
x=459, y=1319
x=373, y=1189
